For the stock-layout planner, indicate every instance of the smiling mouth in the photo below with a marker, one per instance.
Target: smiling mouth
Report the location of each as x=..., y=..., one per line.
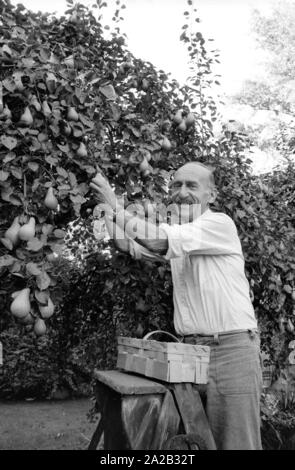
x=188, y=203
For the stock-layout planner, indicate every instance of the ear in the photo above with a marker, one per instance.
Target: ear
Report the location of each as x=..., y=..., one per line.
x=213, y=195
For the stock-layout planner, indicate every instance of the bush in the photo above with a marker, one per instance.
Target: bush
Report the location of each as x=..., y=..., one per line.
x=30, y=365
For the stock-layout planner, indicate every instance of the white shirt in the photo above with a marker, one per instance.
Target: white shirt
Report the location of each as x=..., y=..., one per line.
x=210, y=289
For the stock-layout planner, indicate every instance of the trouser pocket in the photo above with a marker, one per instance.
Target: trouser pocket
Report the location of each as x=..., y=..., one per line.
x=238, y=370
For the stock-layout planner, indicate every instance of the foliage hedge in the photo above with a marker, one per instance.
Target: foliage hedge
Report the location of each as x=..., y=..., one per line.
x=126, y=107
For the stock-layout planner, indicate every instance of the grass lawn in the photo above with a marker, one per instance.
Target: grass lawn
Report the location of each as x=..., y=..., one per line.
x=50, y=425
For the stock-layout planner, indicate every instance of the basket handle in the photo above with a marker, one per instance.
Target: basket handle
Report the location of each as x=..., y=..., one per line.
x=148, y=335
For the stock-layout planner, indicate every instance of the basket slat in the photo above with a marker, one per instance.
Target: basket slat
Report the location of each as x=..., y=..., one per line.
x=170, y=362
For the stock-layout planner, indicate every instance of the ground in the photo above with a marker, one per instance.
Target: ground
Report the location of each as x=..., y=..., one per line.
x=50, y=425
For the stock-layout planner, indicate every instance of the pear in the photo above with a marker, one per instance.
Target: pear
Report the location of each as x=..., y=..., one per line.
x=26, y=118
x=40, y=327
x=72, y=114
x=21, y=306
x=182, y=126
x=7, y=243
x=34, y=102
x=50, y=200
x=47, y=310
x=166, y=144
x=45, y=108
x=82, y=150
x=27, y=231
x=144, y=165
x=139, y=331
x=144, y=84
x=12, y=231
x=189, y=120
x=73, y=18
x=178, y=117
x=15, y=294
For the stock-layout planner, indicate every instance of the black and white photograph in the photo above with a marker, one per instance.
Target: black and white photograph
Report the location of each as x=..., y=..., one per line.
x=147, y=228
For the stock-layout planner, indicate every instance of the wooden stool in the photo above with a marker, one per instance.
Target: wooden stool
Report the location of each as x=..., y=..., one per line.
x=140, y=414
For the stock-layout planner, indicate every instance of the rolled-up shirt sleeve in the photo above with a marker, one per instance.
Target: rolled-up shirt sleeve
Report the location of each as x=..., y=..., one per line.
x=213, y=234
x=137, y=251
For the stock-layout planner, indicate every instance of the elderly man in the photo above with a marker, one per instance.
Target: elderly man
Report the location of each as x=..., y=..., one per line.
x=211, y=298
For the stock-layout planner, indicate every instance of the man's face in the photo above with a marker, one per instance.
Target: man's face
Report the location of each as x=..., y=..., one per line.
x=190, y=190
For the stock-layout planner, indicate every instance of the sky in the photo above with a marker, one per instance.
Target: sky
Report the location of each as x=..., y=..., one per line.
x=153, y=28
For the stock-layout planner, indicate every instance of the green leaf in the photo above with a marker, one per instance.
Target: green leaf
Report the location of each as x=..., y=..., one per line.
x=34, y=245
x=62, y=172
x=8, y=142
x=6, y=260
x=108, y=91
x=52, y=160
x=7, y=243
x=33, y=269
x=64, y=148
x=59, y=233
x=6, y=49
x=43, y=281
x=3, y=175
x=28, y=62
x=73, y=179
x=47, y=229
x=9, y=157
x=42, y=297
x=17, y=173
x=33, y=166
x=8, y=83
x=287, y=288
x=87, y=122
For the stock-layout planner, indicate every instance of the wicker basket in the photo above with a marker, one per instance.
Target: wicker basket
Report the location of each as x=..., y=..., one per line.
x=168, y=361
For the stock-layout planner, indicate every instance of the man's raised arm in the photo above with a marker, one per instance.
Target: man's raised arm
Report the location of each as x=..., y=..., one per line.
x=130, y=233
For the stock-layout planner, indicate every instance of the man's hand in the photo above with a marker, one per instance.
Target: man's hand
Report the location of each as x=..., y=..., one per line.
x=105, y=192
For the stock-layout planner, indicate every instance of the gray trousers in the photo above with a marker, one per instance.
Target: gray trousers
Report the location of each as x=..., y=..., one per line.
x=234, y=389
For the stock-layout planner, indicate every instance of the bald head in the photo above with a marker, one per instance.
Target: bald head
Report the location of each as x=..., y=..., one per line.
x=206, y=172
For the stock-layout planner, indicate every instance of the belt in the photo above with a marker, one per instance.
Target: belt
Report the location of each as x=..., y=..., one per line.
x=252, y=331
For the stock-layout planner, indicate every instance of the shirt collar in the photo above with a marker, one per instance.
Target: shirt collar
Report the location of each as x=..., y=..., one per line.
x=206, y=212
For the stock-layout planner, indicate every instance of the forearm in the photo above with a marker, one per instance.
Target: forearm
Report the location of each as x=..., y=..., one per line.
x=148, y=235
x=158, y=247
x=116, y=234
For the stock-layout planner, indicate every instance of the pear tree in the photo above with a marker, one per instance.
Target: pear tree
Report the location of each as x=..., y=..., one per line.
x=74, y=100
